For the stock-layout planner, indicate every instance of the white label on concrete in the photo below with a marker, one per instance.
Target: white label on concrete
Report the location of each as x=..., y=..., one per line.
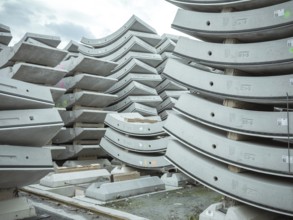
x=282, y=122
x=279, y=13
x=285, y=159
x=290, y=43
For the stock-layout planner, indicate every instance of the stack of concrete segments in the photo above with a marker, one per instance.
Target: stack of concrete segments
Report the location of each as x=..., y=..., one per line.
x=168, y=90
x=136, y=140
x=234, y=132
x=37, y=69
x=133, y=47
x=5, y=36
x=83, y=105
x=28, y=122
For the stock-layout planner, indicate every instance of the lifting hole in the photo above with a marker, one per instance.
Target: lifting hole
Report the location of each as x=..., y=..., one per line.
x=208, y=23
x=214, y=146
x=210, y=53
x=211, y=83
x=215, y=178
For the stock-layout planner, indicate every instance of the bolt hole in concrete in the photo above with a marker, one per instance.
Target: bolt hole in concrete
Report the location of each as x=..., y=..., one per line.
x=214, y=146
x=31, y=118
x=27, y=90
x=208, y=23
x=210, y=53
x=213, y=114
x=215, y=178
x=150, y=146
x=149, y=129
x=211, y=83
x=26, y=157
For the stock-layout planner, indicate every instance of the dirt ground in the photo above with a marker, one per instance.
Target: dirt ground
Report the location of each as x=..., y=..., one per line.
x=182, y=204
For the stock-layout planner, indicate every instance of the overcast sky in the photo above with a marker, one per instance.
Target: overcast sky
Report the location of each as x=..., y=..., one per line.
x=73, y=19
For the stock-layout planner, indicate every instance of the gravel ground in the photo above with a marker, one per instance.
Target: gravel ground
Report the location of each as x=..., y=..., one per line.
x=182, y=204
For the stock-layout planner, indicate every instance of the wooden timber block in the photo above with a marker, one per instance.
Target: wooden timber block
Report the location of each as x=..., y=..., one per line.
x=125, y=176
x=235, y=169
x=140, y=120
x=247, y=105
x=87, y=125
x=78, y=168
x=239, y=137
x=79, y=107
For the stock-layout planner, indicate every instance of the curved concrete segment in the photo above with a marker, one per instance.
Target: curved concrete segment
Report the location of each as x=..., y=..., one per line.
x=145, y=79
x=4, y=28
x=33, y=73
x=150, y=39
x=164, y=115
x=264, y=156
x=260, y=89
x=5, y=38
x=134, y=24
x=152, y=101
x=165, y=36
x=83, y=116
x=250, y=188
x=21, y=166
x=68, y=135
x=16, y=94
x=85, y=98
x=124, y=189
x=86, y=82
x=134, y=66
x=133, y=45
x=167, y=46
x=269, y=57
x=56, y=92
x=173, y=93
x=49, y=40
x=167, y=104
x=17, y=126
x=246, y=26
x=147, y=58
x=137, y=144
x=79, y=151
x=141, y=109
x=219, y=5
x=135, y=88
x=169, y=85
x=42, y=55
x=88, y=65
x=254, y=123
x=134, y=124
x=141, y=161
x=56, y=151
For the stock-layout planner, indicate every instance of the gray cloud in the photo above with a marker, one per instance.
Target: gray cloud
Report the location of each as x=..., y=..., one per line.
x=15, y=13
x=70, y=31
